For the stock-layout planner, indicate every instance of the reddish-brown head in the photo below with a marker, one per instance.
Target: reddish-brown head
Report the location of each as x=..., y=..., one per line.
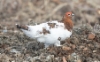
x=68, y=21
x=69, y=14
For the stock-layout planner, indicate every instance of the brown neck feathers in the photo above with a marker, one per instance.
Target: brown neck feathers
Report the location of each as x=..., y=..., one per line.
x=68, y=23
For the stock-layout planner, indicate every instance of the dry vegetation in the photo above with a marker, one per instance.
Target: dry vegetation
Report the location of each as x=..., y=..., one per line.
x=83, y=46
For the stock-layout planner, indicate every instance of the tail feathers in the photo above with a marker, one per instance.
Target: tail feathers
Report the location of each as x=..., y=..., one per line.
x=22, y=27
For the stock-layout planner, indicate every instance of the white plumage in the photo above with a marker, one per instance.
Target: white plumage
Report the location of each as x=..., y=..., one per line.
x=47, y=34
x=59, y=31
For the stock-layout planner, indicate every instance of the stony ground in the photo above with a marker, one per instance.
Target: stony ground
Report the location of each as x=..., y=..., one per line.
x=82, y=46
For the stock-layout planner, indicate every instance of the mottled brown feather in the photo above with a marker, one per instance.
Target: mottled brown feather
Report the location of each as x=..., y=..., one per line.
x=45, y=31
x=52, y=25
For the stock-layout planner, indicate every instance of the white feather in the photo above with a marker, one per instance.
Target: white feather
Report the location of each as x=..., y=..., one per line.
x=48, y=39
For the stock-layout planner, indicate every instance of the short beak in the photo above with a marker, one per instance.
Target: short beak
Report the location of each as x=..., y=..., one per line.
x=72, y=14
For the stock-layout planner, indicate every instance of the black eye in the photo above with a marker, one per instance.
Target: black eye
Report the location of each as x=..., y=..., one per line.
x=69, y=14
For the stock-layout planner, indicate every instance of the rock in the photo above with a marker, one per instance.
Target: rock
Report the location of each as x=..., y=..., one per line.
x=73, y=46
x=85, y=49
x=64, y=59
x=66, y=48
x=74, y=57
x=91, y=36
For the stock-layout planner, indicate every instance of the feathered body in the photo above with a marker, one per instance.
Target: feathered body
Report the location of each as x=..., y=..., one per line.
x=51, y=32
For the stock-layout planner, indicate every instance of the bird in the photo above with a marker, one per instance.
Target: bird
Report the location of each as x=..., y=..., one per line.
x=51, y=32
